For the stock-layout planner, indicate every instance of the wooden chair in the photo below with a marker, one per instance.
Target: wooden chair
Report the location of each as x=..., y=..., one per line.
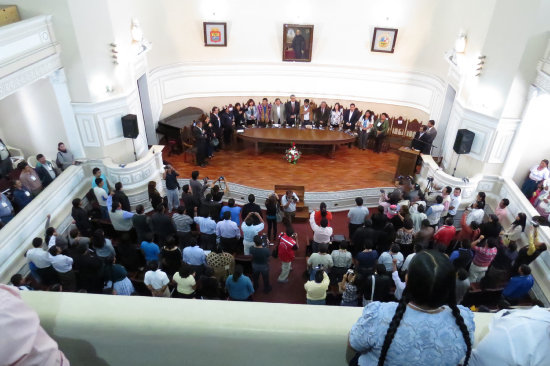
x=188, y=143
x=398, y=126
x=412, y=128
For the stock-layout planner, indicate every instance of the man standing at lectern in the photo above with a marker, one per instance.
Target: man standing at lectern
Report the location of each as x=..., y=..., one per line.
x=292, y=109
x=432, y=133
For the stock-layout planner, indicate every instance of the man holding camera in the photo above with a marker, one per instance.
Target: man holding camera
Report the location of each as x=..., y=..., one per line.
x=288, y=202
x=170, y=175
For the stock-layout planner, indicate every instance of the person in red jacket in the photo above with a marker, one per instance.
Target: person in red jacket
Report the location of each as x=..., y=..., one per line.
x=446, y=233
x=286, y=248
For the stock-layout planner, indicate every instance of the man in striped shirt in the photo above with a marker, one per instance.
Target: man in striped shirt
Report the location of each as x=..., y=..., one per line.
x=483, y=256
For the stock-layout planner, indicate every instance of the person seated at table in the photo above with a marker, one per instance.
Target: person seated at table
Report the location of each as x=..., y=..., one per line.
x=322, y=115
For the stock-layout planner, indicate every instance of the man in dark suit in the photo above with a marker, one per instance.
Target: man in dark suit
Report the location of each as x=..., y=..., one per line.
x=45, y=170
x=351, y=116
x=421, y=141
x=322, y=115
x=217, y=127
x=292, y=110
x=200, y=143
x=228, y=123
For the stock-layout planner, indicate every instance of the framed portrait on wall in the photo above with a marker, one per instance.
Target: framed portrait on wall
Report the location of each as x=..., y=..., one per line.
x=383, y=40
x=297, y=41
x=215, y=34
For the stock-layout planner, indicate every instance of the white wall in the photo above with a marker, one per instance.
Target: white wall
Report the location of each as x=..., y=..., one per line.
x=342, y=34
x=206, y=105
x=31, y=120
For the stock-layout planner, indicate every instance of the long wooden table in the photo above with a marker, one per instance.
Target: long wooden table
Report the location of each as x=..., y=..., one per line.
x=297, y=136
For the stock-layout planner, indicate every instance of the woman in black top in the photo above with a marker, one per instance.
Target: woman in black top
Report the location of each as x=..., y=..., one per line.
x=271, y=215
x=239, y=115
x=81, y=218
x=170, y=257
x=154, y=195
x=208, y=286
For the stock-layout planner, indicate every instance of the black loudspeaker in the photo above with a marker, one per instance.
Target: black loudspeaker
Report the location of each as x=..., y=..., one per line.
x=463, y=141
x=130, y=126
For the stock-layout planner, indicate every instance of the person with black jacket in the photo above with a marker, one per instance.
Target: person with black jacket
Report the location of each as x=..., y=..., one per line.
x=121, y=197
x=251, y=207
x=81, y=218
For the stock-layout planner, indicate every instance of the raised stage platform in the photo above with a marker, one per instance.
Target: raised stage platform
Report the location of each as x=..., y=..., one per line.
x=351, y=168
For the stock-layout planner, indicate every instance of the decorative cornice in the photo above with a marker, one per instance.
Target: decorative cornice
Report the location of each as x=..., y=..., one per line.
x=27, y=75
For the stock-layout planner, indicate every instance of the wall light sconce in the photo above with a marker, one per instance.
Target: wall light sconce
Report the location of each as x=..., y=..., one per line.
x=480, y=64
x=114, y=51
x=460, y=43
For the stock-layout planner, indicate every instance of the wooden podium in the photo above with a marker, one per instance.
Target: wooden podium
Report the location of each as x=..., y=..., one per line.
x=407, y=161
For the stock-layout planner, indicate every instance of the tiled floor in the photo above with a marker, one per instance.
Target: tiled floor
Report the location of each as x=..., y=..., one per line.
x=351, y=169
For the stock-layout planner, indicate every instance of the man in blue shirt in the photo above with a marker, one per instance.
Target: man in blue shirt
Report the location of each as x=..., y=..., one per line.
x=196, y=258
x=519, y=285
x=21, y=195
x=97, y=174
x=228, y=232
x=235, y=211
x=207, y=228
x=150, y=250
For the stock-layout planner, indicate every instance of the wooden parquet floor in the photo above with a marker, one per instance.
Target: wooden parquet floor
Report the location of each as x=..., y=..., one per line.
x=352, y=168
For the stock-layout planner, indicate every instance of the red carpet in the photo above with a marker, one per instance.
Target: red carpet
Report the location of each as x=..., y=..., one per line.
x=293, y=292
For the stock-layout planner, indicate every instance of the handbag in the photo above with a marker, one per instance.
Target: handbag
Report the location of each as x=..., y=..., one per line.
x=214, y=142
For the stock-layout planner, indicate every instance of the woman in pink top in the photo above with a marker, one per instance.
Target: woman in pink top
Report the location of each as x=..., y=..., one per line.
x=27, y=343
x=483, y=256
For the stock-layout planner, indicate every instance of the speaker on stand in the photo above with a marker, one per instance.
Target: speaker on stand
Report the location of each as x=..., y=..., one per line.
x=130, y=129
x=463, y=144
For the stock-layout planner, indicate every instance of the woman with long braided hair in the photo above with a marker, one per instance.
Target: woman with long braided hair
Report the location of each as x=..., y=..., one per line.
x=425, y=328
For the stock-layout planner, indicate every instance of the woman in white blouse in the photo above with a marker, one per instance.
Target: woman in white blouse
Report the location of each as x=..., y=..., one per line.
x=365, y=124
x=513, y=233
x=336, y=116
x=536, y=174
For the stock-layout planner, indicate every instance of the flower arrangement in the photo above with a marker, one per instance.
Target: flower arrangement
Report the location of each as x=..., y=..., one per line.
x=293, y=154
